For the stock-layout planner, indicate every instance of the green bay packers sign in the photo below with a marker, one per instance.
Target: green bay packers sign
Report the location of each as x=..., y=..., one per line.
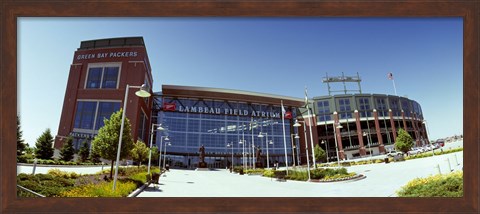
x=226, y=111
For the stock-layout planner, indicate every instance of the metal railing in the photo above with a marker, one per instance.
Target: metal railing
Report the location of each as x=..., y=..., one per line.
x=27, y=192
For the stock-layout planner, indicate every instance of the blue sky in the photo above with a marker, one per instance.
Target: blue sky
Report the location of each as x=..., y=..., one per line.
x=270, y=55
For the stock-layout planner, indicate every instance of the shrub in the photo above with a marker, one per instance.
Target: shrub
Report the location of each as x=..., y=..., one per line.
x=449, y=185
x=45, y=184
x=103, y=189
x=269, y=173
x=237, y=169
x=297, y=175
x=255, y=171
x=339, y=176
x=57, y=172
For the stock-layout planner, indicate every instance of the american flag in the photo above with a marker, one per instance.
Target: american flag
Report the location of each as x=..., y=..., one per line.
x=390, y=76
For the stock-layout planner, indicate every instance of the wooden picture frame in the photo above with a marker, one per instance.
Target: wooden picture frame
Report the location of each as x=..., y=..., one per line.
x=13, y=9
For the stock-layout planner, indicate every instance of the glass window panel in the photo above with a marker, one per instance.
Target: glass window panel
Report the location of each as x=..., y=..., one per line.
x=193, y=125
x=94, y=77
x=85, y=115
x=110, y=76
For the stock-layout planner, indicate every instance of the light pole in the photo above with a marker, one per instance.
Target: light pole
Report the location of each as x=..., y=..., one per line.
x=368, y=140
x=297, y=124
x=428, y=134
x=326, y=147
x=165, y=153
x=260, y=135
x=293, y=146
x=335, y=127
x=160, y=151
x=160, y=128
x=243, y=153
x=231, y=145
x=143, y=92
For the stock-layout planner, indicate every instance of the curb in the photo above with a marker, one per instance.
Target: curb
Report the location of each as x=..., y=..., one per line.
x=139, y=190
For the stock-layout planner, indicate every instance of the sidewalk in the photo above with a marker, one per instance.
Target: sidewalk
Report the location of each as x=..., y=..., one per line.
x=382, y=181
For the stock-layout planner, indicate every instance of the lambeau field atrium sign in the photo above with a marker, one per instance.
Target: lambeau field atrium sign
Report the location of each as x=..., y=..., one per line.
x=226, y=111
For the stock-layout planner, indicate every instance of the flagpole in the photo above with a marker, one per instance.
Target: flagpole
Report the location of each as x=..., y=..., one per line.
x=284, y=138
x=390, y=77
x=394, y=88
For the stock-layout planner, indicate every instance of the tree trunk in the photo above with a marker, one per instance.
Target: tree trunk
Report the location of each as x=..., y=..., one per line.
x=111, y=170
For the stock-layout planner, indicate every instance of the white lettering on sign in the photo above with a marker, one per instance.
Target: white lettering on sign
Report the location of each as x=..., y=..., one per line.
x=108, y=55
x=228, y=111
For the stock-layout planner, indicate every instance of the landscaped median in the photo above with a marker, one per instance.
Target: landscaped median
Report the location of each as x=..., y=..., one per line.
x=316, y=175
x=64, y=184
x=390, y=159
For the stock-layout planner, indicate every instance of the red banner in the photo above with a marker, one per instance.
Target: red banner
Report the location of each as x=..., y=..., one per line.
x=288, y=115
x=169, y=106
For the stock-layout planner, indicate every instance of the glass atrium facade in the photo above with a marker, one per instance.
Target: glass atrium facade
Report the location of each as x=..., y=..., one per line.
x=220, y=126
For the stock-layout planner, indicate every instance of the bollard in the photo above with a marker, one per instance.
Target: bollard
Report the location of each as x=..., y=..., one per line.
x=449, y=166
x=438, y=168
x=34, y=166
x=102, y=166
x=456, y=160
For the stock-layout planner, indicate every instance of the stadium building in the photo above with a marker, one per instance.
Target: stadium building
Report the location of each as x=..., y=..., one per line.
x=234, y=126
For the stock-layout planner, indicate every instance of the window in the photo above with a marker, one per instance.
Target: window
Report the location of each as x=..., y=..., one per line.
x=85, y=115
x=102, y=77
x=90, y=114
x=323, y=110
x=94, y=77
x=364, y=107
x=345, y=108
x=105, y=110
x=382, y=107
x=142, y=126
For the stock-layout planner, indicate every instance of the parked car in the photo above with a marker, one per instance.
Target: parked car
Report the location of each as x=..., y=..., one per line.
x=440, y=142
x=394, y=153
x=414, y=151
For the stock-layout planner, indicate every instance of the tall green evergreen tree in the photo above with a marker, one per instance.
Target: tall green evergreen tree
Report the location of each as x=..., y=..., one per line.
x=84, y=152
x=404, y=141
x=44, y=145
x=320, y=154
x=20, y=142
x=106, y=141
x=140, y=152
x=67, y=151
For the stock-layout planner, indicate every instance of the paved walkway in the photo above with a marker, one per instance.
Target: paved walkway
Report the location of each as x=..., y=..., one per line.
x=382, y=181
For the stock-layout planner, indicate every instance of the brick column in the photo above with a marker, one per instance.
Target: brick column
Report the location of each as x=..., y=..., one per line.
x=415, y=127
x=392, y=123
x=341, y=152
x=360, y=134
x=404, y=122
x=381, y=147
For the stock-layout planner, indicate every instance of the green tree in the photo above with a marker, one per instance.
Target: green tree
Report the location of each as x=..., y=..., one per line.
x=404, y=141
x=155, y=155
x=95, y=156
x=67, y=151
x=84, y=151
x=20, y=142
x=44, y=145
x=106, y=141
x=139, y=152
x=320, y=154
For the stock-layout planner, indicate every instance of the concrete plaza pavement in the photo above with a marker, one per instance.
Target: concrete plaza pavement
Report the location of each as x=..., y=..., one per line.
x=382, y=180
